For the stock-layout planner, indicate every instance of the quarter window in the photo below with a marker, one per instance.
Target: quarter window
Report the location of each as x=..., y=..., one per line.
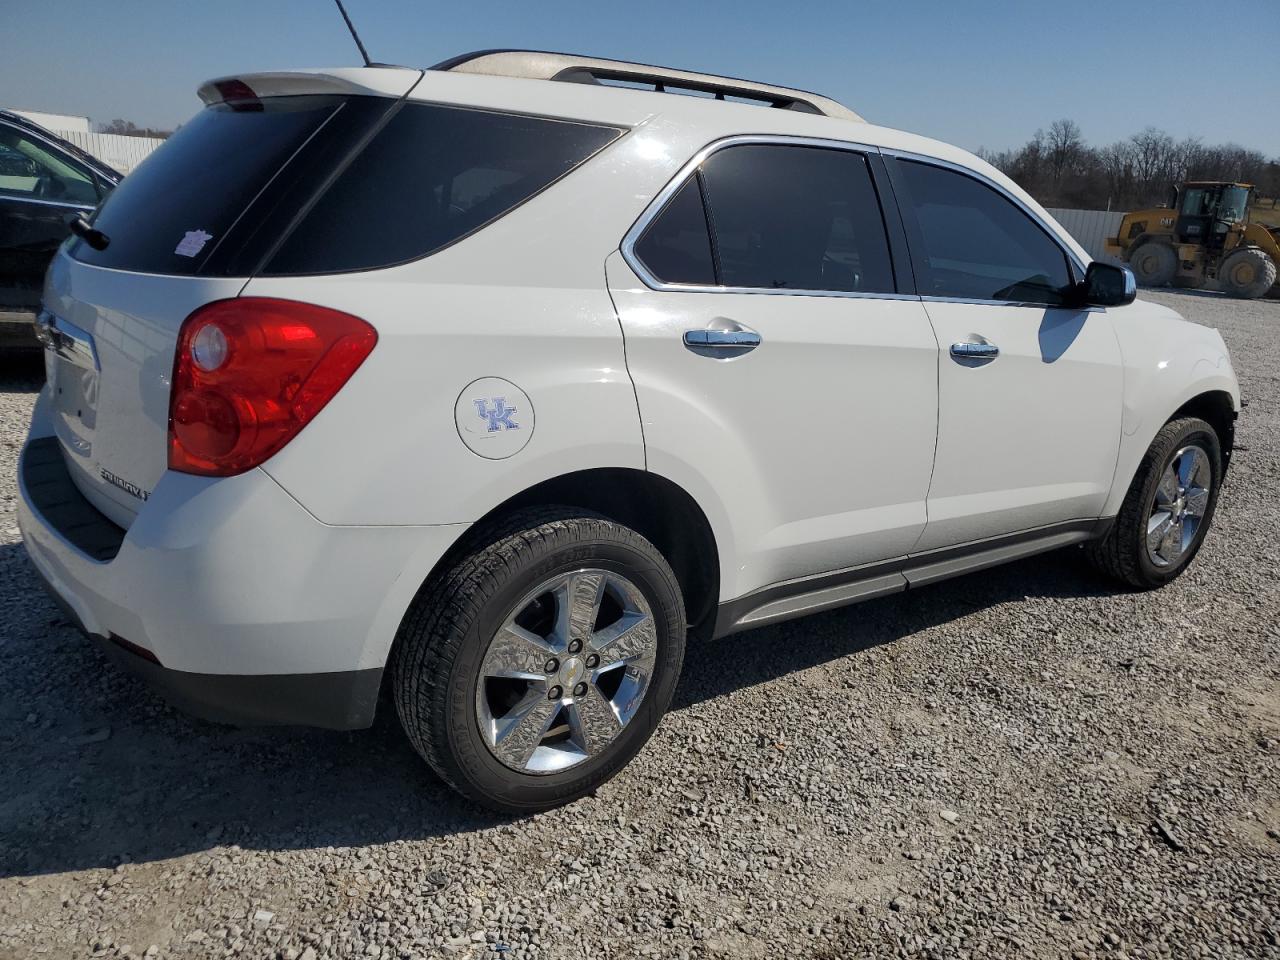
x=973, y=243
x=677, y=246
x=782, y=217
x=432, y=176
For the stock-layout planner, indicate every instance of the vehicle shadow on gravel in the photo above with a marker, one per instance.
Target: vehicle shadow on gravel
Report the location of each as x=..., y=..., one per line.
x=98, y=770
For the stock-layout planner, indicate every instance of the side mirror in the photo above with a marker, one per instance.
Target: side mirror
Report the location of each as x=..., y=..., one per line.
x=1105, y=285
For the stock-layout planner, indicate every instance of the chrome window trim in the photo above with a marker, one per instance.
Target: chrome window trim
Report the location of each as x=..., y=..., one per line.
x=659, y=202
x=47, y=203
x=982, y=178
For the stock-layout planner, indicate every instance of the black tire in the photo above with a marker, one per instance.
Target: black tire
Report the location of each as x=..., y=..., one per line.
x=1154, y=264
x=1122, y=554
x=1247, y=273
x=440, y=648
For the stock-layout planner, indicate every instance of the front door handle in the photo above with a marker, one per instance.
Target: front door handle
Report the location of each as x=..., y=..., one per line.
x=974, y=350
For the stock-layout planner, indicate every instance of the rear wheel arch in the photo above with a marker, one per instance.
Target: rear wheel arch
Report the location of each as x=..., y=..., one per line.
x=655, y=507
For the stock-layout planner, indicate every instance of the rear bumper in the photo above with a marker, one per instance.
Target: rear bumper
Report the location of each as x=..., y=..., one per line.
x=227, y=595
x=342, y=700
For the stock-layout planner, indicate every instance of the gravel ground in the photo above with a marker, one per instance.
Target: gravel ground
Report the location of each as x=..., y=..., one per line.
x=1021, y=763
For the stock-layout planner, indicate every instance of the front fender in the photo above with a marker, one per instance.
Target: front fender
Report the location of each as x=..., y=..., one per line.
x=1168, y=361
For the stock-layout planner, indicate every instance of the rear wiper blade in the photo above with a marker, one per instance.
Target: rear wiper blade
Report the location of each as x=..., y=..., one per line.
x=82, y=229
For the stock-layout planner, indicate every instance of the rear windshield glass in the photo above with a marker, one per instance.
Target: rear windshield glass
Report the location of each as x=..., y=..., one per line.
x=170, y=214
x=430, y=177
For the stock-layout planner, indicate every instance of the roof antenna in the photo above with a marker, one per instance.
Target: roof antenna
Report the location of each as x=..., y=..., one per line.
x=354, y=36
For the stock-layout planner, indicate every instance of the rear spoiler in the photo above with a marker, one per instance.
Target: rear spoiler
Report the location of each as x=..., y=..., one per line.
x=350, y=81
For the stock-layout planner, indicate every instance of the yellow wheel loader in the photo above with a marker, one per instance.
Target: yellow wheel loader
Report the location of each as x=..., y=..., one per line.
x=1206, y=234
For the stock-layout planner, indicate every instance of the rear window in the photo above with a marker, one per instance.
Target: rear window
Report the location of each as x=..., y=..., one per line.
x=174, y=210
x=432, y=176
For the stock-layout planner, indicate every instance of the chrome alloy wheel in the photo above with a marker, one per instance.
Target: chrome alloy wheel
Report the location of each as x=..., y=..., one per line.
x=566, y=671
x=1179, y=506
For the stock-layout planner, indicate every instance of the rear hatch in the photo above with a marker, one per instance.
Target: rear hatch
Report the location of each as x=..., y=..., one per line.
x=188, y=227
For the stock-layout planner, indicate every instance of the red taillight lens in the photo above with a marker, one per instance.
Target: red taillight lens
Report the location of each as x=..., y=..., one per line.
x=250, y=373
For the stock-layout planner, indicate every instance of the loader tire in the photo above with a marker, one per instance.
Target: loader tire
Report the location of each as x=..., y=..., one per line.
x=1247, y=273
x=1154, y=264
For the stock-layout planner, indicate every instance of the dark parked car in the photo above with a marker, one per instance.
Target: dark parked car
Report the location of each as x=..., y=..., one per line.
x=44, y=181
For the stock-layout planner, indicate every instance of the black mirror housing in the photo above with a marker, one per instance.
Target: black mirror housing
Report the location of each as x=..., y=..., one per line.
x=1106, y=285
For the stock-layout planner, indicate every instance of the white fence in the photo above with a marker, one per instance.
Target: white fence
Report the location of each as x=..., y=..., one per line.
x=122, y=153
x=1090, y=228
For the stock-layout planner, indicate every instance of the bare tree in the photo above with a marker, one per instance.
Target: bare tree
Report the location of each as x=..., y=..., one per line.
x=1064, y=148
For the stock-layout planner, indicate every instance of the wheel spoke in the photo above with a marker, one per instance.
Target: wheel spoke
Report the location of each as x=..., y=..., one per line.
x=1171, y=545
x=518, y=733
x=518, y=654
x=577, y=606
x=1167, y=491
x=1157, y=529
x=631, y=638
x=592, y=722
x=1190, y=465
x=1197, y=501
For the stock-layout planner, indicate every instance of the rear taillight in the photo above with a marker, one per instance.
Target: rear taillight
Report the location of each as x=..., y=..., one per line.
x=250, y=373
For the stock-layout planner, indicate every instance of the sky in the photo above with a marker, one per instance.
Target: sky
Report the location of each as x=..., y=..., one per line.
x=977, y=73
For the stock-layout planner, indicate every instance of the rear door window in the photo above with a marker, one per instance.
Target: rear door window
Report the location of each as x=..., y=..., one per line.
x=168, y=215
x=781, y=217
x=970, y=242
x=796, y=218
x=432, y=176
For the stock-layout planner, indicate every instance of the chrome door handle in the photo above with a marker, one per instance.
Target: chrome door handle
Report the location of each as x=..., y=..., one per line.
x=722, y=336
x=969, y=350
x=732, y=339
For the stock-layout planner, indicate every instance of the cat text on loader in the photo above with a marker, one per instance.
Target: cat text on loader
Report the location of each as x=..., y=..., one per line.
x=1206, y=235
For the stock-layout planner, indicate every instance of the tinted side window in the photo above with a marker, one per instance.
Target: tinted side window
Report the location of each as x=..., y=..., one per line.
x=676, y=247
x=30, y=168
x=430, y=177
x=799, y=218
x=975, y=244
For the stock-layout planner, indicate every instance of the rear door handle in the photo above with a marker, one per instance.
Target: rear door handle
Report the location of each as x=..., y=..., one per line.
x=970, y=350
x=724, y=335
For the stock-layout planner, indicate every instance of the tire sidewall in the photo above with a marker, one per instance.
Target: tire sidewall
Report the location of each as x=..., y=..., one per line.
x=1201, y=435
x=487, y=775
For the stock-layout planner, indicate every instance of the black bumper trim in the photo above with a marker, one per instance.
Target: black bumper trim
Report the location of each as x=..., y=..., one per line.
x=344, y=700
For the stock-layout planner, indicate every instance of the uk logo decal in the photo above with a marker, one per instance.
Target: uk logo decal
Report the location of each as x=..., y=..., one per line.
x=498, y=414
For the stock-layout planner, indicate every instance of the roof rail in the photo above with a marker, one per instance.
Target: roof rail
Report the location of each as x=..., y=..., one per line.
x=540, y=65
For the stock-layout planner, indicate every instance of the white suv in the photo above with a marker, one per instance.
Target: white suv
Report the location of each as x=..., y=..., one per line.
x=496, y=381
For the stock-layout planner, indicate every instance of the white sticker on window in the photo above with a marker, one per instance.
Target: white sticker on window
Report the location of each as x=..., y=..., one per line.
x=192, y=243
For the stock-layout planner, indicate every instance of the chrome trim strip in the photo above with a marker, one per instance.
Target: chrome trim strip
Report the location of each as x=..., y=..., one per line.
x=48, y=203
x=64, y=338
x=1000, y=189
